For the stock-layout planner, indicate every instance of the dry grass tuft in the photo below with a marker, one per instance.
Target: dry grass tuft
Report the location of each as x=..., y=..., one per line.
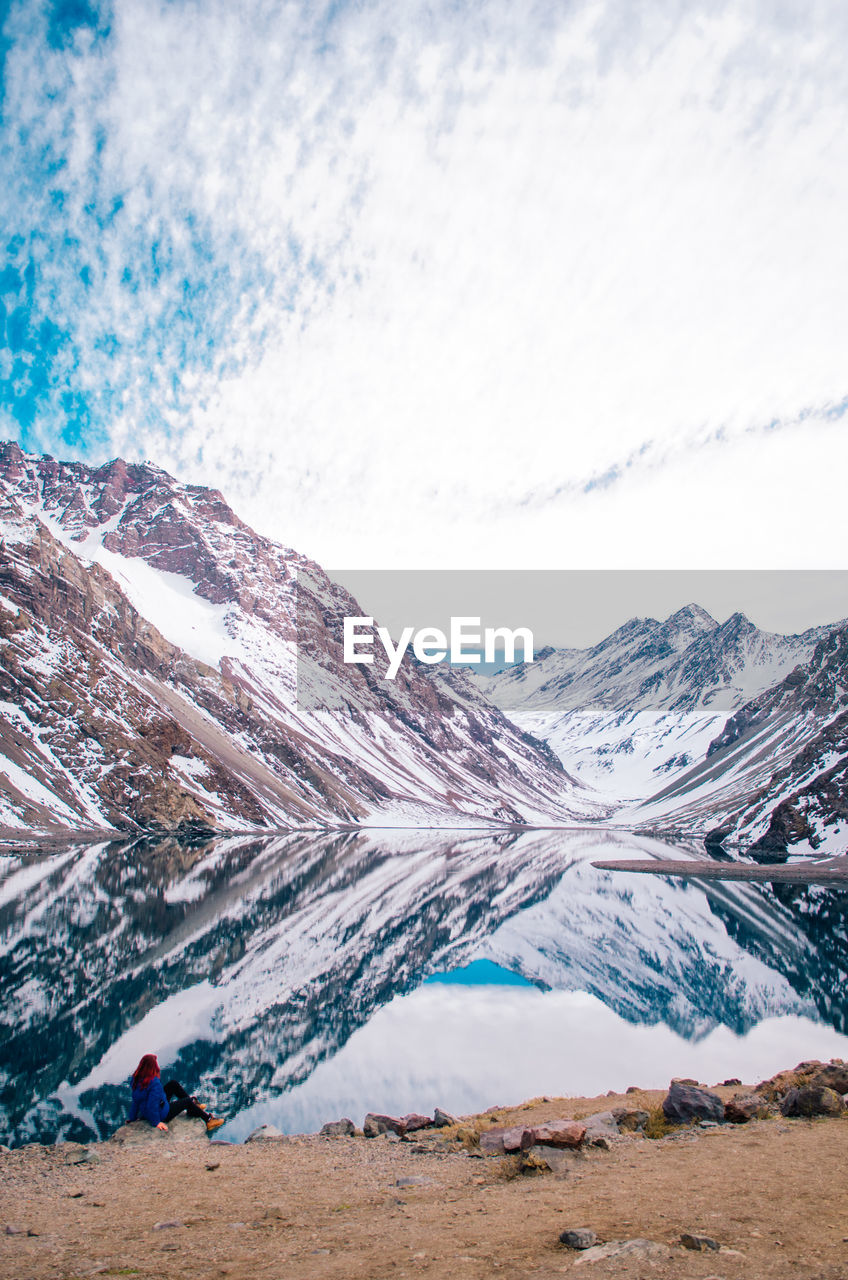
x=658, y=1125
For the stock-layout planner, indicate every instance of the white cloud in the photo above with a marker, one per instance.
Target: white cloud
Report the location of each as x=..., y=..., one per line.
x=456, y=266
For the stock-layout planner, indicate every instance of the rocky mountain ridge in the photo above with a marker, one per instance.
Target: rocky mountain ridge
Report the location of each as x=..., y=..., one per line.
x=775, y=780
x=162, y=666
x=690, y=726
x=645, y=703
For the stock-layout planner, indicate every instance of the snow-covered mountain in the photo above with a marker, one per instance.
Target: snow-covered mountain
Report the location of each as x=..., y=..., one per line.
x=248, y=961
x=646, y=702
x=149, y=679
x=775, y=779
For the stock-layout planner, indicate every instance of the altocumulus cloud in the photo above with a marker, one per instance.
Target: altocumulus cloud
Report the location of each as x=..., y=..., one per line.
x=477, y=273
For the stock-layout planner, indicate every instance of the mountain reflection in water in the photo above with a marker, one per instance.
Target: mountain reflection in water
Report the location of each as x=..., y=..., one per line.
x=260, y=968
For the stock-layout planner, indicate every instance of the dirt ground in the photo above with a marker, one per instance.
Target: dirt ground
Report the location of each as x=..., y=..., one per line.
x=773, y=1193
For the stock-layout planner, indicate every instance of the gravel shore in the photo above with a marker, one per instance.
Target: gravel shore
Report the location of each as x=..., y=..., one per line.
x=772, y=1194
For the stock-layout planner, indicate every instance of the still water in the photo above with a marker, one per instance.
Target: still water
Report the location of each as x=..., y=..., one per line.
x=297, y=979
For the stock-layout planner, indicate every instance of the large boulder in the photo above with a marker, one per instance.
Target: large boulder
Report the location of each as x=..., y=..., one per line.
x=812, y=1100
x=776, y=1087
x=834, y=1076
x=180, y=1129
x=686, y=1102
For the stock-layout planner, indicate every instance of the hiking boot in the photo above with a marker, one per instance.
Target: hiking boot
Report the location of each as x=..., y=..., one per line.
x=214, y=1122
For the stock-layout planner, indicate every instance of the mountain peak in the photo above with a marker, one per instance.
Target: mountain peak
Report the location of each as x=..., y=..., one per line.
x=737, y=625
x=691, y=618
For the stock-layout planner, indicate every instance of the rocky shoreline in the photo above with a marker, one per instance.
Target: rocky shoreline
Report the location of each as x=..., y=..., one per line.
x=652, y=1178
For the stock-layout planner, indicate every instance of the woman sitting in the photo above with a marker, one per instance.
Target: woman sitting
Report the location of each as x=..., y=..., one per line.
x=157, y=1103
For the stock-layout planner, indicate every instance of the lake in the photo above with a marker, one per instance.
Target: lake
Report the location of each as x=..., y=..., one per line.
x=295, y=979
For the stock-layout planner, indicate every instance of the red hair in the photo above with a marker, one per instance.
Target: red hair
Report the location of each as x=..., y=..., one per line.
x=147, y=1070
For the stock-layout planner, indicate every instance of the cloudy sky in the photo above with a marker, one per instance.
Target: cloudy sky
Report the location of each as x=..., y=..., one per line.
x=421, y=284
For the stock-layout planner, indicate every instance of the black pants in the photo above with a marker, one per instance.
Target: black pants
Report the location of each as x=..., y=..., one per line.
x=181, y=1102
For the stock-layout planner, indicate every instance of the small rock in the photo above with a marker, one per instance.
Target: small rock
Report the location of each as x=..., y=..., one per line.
x=167, y=1226
x=684, y=1080
x=413, y=1122
x=414, y=1182
x=441, y=1119
x=600, y=1129
x=213, y=1164
x=631, y=1121
x=376, y=1124
x=31, y=1232
x=500, y=1142
x=743, y=1107
x=701, y=1243
x=649, y=1249
x=531, y=1161
x=578, y=1238
x=338, y=1129
x=727, y=1084
x=601, y=1120
x=708, y=1124
x=180, y=1129
x=15, y=1231
x=560, y=1133
x=264, y=1133
x=633, y=1088
x=80, y=1155
x=685, y=1102
x=558, y=1160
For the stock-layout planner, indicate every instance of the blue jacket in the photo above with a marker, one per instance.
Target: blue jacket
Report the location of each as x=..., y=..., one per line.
x=149, y=1103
